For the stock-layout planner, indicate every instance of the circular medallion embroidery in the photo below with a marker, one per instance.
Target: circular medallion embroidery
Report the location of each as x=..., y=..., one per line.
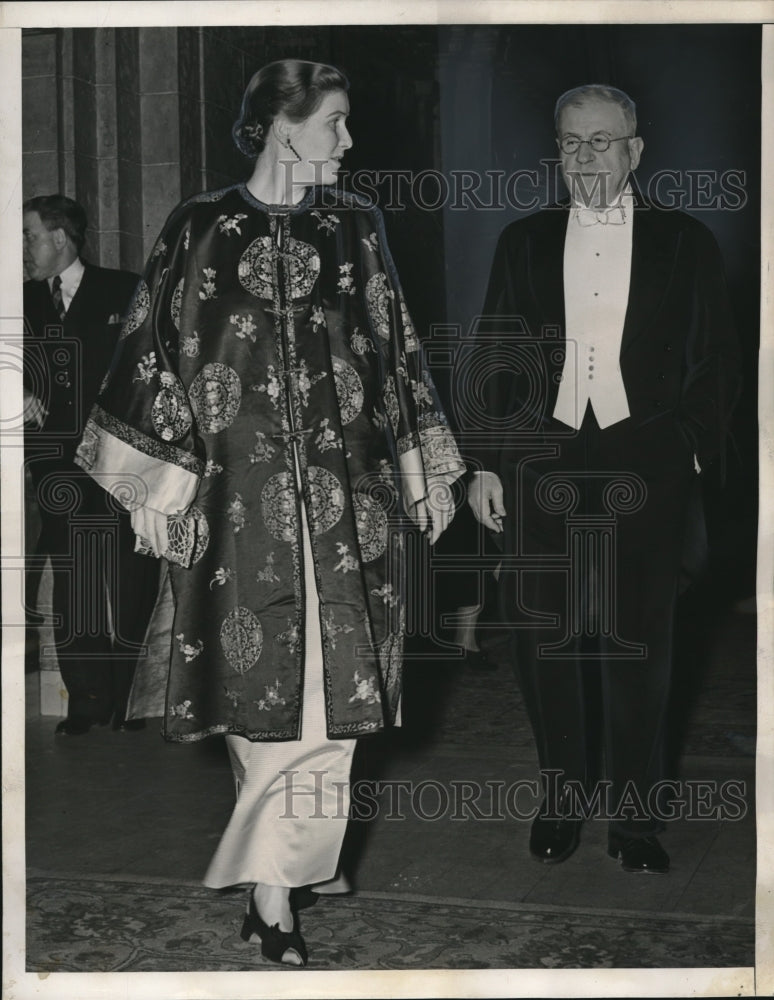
x=170, y=413
x=241, y=638
x=349, y=390
x=175, y=305
x=377, y=294
x=327, y=499
x=371, y=523
x=215, y=395
x=187, y=533
x=137, y=311
x=256, y=267
x=391, y=403
x=278, y=507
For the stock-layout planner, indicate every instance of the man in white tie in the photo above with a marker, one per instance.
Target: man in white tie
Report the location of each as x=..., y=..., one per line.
x=103, y=592
x=617, y=371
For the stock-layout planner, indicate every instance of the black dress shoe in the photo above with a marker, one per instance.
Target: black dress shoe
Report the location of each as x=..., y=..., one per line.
x=638, y=854
x=555, y=836
x=73, y=727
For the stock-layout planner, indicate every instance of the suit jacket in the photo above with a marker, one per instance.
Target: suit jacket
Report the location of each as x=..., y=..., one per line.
x=66, y=361
x=679, y=355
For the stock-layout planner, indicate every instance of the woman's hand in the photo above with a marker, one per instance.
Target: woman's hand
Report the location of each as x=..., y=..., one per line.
x=485, y=496
x=150, y=526
x=435, y=511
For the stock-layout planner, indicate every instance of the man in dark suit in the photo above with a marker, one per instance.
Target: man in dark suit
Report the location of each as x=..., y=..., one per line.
x=616, y=376
x=103, y=593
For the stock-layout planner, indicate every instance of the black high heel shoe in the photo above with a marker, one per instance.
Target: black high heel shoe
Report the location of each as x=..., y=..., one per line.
x=274, y=942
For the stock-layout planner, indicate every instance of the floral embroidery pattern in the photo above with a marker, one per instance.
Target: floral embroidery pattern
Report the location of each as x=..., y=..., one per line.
x=146, y=368
x=349, y=390
x=181, y=711
x=421, y=393
x=187, y=238
x=378, y=294
x=290, y=637
x=190, y=345
x=332, y=631
x=222, y=576
x=379, y=420
x=386, y=594
x=267, y=574
x=372, y=243
x=171, y=415
x=272, y=697
x=327, y=437
x=188, y=535
x=262, y=450
x=327, y=499
x=232, y=696
x=271, y=387
x=215, y=394
x=245, y=327
x=212, y=468
x=159, y=249
x=386, y=472
x=230, y=224
x=409, y=333
x=391, y=402
x=190, y=652
x=371, y=524
x=278, y=507
x=318, y=318
x=207, y=291
x=138, y=310
x=347, y=562
x=346, y=281
x=359, y=343
x=365, y=690
x=241, y=638
x=328, y=223
x=237, y=513
x=176, y=304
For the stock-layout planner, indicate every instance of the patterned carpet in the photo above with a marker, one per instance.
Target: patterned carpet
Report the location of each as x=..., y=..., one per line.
x=112, y=926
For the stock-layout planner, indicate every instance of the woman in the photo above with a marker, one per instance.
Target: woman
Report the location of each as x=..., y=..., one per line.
x=268, y=420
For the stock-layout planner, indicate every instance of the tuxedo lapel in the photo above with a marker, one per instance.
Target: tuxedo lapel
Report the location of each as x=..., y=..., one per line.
x=546, y=270
x=546, y=267
x=654, y=251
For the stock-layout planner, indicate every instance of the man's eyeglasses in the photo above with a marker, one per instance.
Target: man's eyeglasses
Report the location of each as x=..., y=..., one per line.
x=599, y=142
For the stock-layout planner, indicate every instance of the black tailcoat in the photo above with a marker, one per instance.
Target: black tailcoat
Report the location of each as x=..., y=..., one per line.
x=596, y=519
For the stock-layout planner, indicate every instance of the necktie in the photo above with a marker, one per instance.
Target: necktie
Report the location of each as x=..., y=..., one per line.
x=606, y=216
x=56, y=295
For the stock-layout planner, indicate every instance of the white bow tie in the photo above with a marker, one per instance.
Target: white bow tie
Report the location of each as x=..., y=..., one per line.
x=615, y=216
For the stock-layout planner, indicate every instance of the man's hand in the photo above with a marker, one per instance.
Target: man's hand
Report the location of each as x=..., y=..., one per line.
x=150, y=526
x=485, y=496
x=34, y=410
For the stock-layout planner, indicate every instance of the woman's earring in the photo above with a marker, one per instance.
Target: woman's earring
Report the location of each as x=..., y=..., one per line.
x=289, y=145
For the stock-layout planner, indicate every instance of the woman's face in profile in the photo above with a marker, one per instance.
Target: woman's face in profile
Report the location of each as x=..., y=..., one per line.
x=321, y=141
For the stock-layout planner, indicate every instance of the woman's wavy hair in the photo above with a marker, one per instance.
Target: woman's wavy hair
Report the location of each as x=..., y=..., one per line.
x=293, y=87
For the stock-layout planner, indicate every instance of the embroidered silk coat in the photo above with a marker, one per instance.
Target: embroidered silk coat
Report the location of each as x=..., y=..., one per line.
x=267, y=349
